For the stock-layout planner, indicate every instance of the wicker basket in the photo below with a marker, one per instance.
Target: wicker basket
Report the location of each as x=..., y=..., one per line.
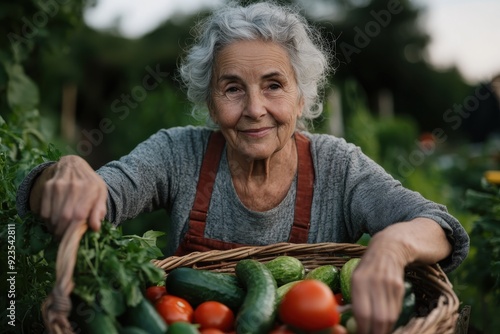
x=437, y=304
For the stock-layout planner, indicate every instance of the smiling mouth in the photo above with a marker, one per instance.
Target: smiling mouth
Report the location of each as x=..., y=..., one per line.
x=260, y=132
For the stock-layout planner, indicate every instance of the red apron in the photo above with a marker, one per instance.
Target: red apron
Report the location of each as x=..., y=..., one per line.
x=195, y=240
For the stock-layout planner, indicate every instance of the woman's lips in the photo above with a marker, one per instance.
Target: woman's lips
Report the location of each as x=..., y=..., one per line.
x=257, y=133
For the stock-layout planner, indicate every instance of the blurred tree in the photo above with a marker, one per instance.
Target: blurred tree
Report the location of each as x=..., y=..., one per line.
x=117, y=82
x=382, y=45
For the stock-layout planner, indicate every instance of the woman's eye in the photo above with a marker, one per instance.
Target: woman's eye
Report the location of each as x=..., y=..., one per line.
x=234, y=93
x=274, y=86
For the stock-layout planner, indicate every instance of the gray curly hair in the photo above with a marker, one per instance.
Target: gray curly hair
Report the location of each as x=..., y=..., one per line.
x=261, y=21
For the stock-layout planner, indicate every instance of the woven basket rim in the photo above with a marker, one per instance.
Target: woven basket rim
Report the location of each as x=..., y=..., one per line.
x=441, y=319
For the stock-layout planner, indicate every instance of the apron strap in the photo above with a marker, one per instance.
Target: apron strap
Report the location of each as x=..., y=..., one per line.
x=208, y=172
x=305, y=190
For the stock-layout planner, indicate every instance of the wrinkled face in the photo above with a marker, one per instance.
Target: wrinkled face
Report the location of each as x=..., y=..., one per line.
x=255, y=99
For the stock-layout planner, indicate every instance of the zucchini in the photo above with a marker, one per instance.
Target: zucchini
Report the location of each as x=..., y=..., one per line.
x=286, y=269
x=145, y=317
x=258, y=312
x=328, y=274
x=197, y=286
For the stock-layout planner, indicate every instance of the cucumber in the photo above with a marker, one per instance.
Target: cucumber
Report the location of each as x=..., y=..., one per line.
x=198, y=286
x=145, y=317
x=258, y=312
x=351, y=326
x=328, y=274
x=282, y=290
x=132, y=330
x=85, y=318
x=286, y=269
x=408, y=307
x=345, y=278
x=181, y=327
x=102, y=323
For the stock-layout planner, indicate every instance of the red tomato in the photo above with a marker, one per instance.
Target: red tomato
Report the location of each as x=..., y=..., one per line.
x=339, y=298
x=212, y=314
x=211, y=331
x=173, y=309
x=153, y=293
x=309, y=305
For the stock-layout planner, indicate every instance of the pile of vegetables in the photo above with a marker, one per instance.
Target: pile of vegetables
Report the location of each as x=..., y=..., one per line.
x=277, y=297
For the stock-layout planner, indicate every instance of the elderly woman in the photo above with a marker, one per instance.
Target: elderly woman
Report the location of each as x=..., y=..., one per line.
x=258, y=178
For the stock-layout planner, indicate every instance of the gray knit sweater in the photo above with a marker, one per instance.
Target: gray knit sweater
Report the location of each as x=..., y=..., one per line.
x=352, y=194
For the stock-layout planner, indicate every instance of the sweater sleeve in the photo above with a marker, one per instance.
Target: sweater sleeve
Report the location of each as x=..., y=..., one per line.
x=374, y=200
x=24, y=189
x=151, y=176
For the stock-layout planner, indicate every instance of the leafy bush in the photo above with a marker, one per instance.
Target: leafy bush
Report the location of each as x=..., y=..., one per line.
x=21, y=148
x=481, y=272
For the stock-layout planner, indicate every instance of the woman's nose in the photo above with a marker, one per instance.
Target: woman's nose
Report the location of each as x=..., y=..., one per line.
x=255, y=106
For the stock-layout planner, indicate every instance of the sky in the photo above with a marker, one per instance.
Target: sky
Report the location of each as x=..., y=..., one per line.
x=464, y=33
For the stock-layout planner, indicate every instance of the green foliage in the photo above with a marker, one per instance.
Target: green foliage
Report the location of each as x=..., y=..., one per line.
x=361, y=128
x=21, y=148
x=33, y=30
x=382, y=139
x=481, y=272
x=112, y=269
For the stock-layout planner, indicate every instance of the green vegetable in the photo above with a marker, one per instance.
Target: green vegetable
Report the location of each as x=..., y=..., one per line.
x=132, y=330
x=286, y=269
x=144, y=317
x=345, y=317
x=345, y=278
x=328, y=274
x=102, y=323
x=181, y=327
x=282, y=290
x=112, y=270
x=351, y=326
x=408, y=307
x=198, y=286
x=91, y=319
x=258, y=312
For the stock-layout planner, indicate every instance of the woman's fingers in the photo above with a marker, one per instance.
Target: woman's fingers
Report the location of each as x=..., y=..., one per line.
x=378, y=289
x=99, y=211
x=73, y=193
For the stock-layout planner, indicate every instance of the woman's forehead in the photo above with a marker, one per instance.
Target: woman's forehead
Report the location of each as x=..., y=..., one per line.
x=253, y=57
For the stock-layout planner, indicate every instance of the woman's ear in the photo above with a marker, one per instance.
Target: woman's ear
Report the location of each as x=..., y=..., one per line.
x=301, y=106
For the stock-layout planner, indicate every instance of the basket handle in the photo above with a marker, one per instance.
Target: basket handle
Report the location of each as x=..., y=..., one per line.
x=57, y=306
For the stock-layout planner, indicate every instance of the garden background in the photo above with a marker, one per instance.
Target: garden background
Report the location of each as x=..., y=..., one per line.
x=68, y=89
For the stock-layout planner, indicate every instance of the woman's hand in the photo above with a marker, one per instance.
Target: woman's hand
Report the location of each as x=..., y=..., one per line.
x=378, y=280
x=378, y=289
x=69, y=191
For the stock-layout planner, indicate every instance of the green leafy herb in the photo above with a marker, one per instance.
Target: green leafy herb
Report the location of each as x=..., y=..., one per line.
x=113, y=269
